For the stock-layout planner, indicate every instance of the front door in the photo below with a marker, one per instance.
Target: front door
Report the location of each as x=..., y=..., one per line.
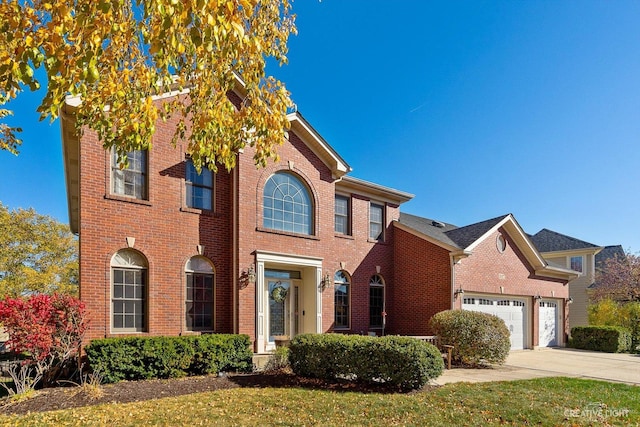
x=284, y=316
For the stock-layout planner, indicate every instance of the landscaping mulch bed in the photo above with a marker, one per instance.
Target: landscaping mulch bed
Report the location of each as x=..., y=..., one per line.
x=134, y=391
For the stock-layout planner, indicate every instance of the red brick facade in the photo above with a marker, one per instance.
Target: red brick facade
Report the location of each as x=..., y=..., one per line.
x=417, y=273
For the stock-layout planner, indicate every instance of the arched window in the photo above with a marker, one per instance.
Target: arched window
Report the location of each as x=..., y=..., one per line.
x=199, y=298
x=342, y=289
x=287, y=204
x=128, y=291
x=376, y=301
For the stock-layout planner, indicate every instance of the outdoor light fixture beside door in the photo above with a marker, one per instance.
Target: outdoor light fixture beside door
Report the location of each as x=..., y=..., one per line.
x=251, y=274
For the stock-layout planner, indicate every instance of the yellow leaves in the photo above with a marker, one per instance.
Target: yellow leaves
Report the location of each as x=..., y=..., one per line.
x=115, y=61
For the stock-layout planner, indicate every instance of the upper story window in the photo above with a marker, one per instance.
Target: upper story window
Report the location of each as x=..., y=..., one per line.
x=376, y=221
x=287, y=204
x=342, y=220
x=131, y=181
x=576, y=263
x=199, y=187
x=128, y=291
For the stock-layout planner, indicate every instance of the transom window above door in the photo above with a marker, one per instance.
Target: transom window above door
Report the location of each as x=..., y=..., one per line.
x=287, y=204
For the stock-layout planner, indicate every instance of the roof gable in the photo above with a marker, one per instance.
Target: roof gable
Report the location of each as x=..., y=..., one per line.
x=461, y=241
x=468, y=235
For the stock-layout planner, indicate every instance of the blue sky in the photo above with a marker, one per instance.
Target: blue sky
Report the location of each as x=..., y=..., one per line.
x=478, y=108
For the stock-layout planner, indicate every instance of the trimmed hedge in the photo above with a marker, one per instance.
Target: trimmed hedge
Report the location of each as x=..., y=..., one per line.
x=477, y=338
x=136, y=358
x=403, y=362
x=609, y=339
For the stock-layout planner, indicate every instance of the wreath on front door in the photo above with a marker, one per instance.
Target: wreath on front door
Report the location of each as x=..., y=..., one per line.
x=279, y=293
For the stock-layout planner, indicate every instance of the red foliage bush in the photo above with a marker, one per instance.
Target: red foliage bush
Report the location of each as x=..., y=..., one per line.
x=49, y=328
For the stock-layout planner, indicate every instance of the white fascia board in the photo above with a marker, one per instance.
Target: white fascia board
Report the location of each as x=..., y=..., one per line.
x=557, y=273
x=370, y=189
x=322, y=148
x=570, y=252
x=282, y=258
x=519, y=236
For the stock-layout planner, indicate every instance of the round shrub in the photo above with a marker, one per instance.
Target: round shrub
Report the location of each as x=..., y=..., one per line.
x=403, y=362
x=478, y=338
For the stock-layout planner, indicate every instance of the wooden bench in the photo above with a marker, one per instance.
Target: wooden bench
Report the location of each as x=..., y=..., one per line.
x=445, y=349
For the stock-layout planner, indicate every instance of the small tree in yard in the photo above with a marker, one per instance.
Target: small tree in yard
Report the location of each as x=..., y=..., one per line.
x=618, y=279
x=49, y=329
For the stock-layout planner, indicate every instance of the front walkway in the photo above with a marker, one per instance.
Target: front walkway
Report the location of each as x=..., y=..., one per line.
x=554, y=362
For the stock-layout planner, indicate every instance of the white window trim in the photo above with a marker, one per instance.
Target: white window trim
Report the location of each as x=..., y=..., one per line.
x=384, y=222
x=581, y=273
x=349, y=214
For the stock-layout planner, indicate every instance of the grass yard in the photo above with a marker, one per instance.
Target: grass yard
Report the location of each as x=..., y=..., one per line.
x=546, y=401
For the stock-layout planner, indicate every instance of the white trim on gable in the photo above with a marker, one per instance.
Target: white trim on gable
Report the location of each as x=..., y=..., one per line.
x=318, y=145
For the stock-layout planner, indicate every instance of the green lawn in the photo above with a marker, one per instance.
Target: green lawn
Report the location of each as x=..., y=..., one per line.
x=547, y=401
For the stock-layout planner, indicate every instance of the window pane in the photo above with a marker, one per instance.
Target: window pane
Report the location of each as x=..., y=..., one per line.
x=199, y=303
x=286, y=204
x=130, y=181
x=375, y=221
x=199, y=188
x=128, y=297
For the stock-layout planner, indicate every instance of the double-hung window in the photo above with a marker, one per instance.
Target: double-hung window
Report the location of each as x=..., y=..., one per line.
x=199, y=187
x=128, y=291
x=132, y=180
x=342, y=223
x=376, y=221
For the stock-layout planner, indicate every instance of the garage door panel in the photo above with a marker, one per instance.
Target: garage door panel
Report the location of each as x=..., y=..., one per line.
x=548, y=323
x=511, y=311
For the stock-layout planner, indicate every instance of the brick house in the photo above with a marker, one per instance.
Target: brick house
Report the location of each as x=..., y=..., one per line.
x=299, y=246
x=490, y=266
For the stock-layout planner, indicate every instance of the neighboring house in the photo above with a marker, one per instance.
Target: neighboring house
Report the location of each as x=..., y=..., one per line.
x=490, y=266
x=298, y=246
x=609, y=252
x=577, y=255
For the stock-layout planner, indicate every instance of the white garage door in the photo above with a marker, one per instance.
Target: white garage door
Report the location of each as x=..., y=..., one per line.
x=511, y=310
x=548, y=325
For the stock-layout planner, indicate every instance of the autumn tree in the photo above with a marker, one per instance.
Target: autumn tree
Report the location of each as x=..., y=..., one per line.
x=37, y=254
x=116, y=55
x=618, y=278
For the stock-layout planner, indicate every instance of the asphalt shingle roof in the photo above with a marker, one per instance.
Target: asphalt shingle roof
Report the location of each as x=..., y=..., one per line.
x=609, y=252
x=464, y=236
x=550, y=241
x=432, y=228
x=459, y=237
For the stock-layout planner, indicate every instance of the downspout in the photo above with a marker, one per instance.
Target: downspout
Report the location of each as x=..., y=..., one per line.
x=454, y=259
x=452, y=263
x=234, y=245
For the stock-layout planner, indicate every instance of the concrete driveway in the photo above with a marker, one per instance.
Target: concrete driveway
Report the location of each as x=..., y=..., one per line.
x=554, y=362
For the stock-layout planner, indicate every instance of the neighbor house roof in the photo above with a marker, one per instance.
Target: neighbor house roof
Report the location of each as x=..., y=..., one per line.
x=550, y=241
x=608, y=252
x=461, y=241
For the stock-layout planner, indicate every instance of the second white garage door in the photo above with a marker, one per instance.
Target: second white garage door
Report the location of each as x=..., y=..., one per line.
x=548, y=325
x=512, y=310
